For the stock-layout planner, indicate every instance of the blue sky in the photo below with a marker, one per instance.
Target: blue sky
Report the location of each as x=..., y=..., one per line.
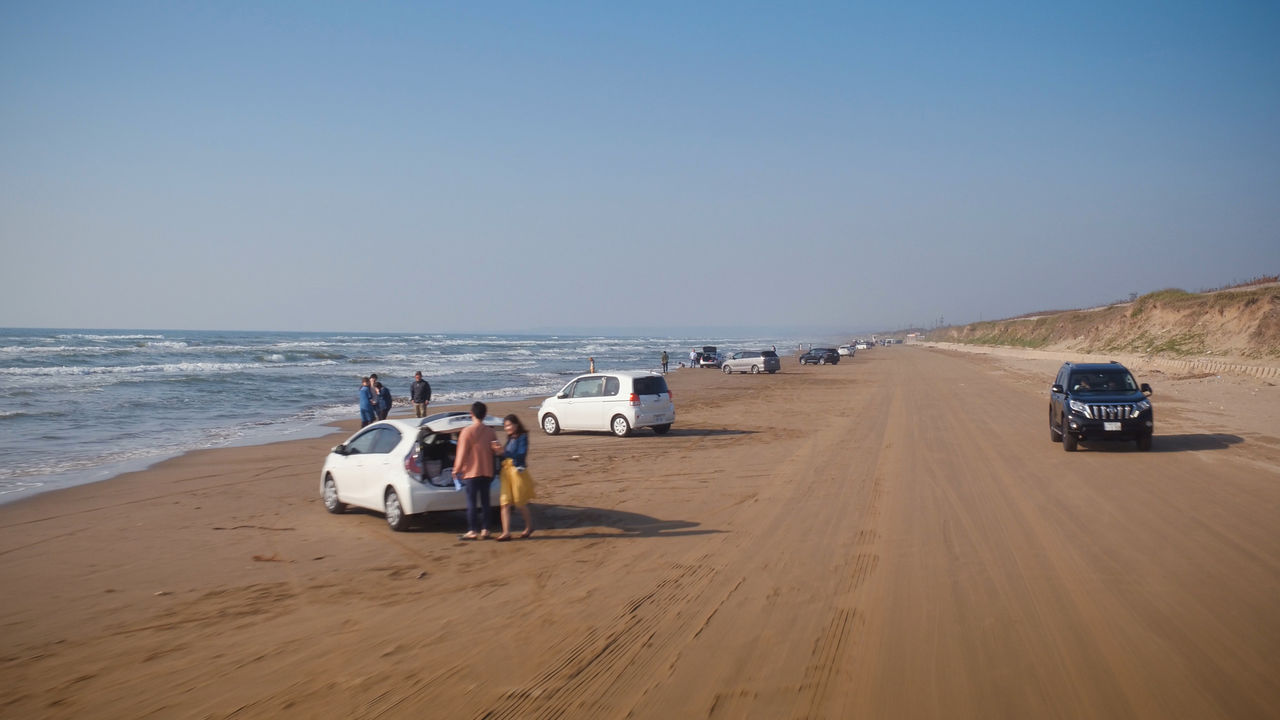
x=555, y=166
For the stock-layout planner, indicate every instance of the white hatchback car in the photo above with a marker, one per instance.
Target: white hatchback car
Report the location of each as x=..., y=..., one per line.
x=400, y=468
x=615, y=401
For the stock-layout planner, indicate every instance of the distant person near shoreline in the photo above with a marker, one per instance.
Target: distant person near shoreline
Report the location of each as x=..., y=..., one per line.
x=384, y=401
x=665, y=360
x=366, y=402
x=420, y=394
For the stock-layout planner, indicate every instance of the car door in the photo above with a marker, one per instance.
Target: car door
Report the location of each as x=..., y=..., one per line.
x=350, y=470
x=371, y=463
x=583, y=407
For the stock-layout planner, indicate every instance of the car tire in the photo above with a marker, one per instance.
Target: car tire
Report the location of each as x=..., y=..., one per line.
x=1069, y=441
x=772, y=372
x=550, y=425
x=331, y=501
x=755, y=369
x=1144, y=443
x=726, y=369
x=620, y=426
x=662, y=429
x=394, y=511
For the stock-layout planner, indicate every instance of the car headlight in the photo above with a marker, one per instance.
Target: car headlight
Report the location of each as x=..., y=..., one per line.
x=1079, y=407
x=1141, y=406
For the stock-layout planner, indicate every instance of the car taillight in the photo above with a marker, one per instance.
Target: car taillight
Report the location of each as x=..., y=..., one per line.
x=670, y=396
x=635, y=400
x=412, y=465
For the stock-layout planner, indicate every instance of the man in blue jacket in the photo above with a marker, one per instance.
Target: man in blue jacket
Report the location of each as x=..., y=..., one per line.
x=366, y=402
x=384, y=400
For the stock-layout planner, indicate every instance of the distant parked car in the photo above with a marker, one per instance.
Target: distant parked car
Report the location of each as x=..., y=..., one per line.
x=399, y=468
x=752, y=361
x=615, y=401
x=862, y=345
x=709, y=357
x=820, y=356
x=845, y=351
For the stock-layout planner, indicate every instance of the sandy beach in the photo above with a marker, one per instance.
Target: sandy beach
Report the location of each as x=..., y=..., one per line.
x=891, y=537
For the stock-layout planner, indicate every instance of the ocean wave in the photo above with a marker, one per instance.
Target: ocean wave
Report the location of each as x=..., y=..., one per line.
x=87, y=336
x=195, y=368
x=165, y=345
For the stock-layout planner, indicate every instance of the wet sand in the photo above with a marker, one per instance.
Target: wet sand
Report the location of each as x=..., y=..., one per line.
x=894, y=536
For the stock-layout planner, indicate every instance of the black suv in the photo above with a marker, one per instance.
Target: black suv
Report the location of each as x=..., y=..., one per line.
x=820, y=356
x=1099, y=401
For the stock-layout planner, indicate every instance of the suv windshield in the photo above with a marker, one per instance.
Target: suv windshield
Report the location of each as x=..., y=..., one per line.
x=1101, y=381
x=650, y=386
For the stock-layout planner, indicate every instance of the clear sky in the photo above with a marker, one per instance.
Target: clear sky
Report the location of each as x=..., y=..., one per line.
x=490, y=166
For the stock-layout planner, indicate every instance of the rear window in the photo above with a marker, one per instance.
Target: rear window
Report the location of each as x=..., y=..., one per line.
x=768, y=353
x=650, y=386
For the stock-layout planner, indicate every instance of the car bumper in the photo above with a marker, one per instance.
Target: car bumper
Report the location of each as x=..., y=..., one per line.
x=429, y=498
x=1130, y=429
x=657, y=418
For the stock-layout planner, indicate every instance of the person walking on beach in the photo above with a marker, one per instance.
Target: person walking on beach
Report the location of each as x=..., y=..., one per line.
x=474, y=465
x=420, y=393
x=665, y=360
x=384, y=400
x=367, y=414
x=591, y=364
x=693, y=358
x=517, y=483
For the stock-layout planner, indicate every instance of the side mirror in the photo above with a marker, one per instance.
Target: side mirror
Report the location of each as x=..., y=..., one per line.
x=561, y=396
x=340, y=449
x=1056, y=389
x=1146, y=389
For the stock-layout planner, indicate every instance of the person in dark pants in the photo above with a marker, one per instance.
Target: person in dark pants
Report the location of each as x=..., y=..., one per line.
x=420, y=393
x=665, y=360
x=367, y=413
x=474, y=464
x=384, y=401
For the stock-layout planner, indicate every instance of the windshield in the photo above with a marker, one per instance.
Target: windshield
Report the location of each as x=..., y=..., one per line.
x=1102, y=381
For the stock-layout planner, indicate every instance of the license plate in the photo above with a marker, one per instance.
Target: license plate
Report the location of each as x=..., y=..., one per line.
x=1111, y=427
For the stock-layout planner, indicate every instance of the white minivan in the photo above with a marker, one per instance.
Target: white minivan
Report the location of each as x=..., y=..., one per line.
x=615, y=401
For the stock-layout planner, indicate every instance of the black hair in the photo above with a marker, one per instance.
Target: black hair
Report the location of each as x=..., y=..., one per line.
x=519, y=425
x=479, y=409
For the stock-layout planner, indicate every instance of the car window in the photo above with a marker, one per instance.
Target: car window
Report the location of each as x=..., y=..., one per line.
x=651, y=385
x=386, y=441
x=588, y=387
x=768, y=354
x=610, y=386
x=568, y=389
x=363, y=443
x=1102, y=381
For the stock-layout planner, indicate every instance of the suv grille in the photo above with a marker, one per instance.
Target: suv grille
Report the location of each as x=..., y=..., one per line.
x=1122, y=411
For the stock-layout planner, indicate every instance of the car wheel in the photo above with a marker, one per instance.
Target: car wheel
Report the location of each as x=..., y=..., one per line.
x=772, y=372
x=550, y=425
x=726, y=369
x=620, y=426
x=1144, y=443
x=331, y=501
x=755, y=369
x=1069, y=441
x=662, y=429
x=395, y=512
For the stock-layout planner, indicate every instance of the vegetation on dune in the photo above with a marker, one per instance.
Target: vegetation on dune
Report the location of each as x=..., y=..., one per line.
x=1242, y=320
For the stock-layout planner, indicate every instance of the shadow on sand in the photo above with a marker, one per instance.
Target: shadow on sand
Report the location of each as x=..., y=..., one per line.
x=558, y=517
x=1170, y=443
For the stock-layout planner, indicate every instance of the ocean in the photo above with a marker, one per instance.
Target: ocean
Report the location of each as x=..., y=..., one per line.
x=80, y=406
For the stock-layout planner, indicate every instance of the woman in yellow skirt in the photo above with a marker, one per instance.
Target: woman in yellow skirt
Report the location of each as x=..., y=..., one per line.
x=517, y=483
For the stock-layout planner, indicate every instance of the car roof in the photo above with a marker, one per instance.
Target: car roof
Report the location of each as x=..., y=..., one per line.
x=1092, y=367
x=622, y=373
x=440, y=422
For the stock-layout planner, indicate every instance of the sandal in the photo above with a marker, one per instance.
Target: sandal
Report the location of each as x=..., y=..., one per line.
x=503, y=538
x=468, y=536
x=526, y=533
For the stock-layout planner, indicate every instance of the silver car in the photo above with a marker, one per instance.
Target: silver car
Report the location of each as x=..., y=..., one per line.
x=752, y=361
